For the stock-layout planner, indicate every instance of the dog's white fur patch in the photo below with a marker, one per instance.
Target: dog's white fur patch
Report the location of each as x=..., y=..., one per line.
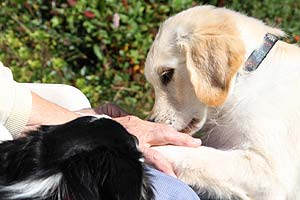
x=34, y=188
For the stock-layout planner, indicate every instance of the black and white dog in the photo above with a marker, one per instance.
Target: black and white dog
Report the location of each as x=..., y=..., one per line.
x=85, y=159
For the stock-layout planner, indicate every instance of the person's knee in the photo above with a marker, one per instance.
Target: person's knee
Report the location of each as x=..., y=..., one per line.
x=184, y=192
x=170, y=188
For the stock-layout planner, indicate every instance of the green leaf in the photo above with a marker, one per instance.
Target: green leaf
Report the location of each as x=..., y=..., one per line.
x=98, y=52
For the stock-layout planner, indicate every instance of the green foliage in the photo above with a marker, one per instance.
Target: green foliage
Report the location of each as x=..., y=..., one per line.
x=76, y=41
x=282, y=14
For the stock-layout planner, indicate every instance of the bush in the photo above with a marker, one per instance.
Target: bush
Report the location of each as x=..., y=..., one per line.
x=100, y=46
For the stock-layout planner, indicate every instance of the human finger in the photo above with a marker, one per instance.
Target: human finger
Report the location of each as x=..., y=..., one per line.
x=180, y=139
x=157, y=160
x=165, y=134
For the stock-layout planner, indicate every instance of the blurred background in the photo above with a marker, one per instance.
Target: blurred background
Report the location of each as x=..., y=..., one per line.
x=99, y=46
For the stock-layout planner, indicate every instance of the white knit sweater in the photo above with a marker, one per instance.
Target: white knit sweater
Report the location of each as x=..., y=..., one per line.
x=15, y=103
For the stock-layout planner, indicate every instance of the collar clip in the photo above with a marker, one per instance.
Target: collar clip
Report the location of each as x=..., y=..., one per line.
x=258, y=55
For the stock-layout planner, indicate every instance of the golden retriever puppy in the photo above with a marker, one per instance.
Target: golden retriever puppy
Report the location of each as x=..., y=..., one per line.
x=219, y=71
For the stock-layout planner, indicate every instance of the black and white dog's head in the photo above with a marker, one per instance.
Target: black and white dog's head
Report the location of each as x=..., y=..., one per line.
x=85, y=159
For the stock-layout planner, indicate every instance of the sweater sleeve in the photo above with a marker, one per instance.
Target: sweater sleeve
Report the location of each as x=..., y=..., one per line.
x=15, y=103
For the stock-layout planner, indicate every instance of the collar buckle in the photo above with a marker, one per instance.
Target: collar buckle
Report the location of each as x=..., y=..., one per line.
x=258, y=55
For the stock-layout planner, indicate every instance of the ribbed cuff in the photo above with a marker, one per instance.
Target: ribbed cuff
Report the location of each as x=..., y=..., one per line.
x=20, y=112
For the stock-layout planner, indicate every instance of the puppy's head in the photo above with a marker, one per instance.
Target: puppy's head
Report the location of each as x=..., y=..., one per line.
x=87, y=158
x=191, y=64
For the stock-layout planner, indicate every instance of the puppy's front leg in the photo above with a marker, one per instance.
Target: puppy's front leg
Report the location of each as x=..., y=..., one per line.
x=223, y=174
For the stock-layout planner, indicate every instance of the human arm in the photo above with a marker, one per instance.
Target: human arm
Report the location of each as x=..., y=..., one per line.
x=22, y=110
x=44, y=112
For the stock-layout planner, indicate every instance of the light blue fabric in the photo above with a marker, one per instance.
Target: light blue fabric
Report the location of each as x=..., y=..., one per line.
x=169, y=188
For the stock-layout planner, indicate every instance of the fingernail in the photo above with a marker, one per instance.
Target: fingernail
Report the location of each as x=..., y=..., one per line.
x=197, y=141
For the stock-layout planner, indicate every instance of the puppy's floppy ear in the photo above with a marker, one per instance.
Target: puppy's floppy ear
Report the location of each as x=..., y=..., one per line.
x=212, y=60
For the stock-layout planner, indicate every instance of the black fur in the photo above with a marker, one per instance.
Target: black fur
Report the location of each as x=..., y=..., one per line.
x=97, y=158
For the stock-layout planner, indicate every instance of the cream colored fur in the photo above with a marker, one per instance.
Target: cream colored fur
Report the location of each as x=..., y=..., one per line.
x=251, y=120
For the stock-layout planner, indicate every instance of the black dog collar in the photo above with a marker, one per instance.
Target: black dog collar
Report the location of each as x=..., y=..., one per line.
x=258, y=55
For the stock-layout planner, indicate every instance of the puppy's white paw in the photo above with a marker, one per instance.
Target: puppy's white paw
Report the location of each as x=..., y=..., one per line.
x=193, y=166
x=184, y=162
x=178, y=156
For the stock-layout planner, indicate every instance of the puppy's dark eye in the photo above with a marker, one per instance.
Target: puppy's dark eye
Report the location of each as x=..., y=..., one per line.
x=166, y=76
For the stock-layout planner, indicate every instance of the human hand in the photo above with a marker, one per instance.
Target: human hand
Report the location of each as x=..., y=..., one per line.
x=148, y=133
x=153, y=134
